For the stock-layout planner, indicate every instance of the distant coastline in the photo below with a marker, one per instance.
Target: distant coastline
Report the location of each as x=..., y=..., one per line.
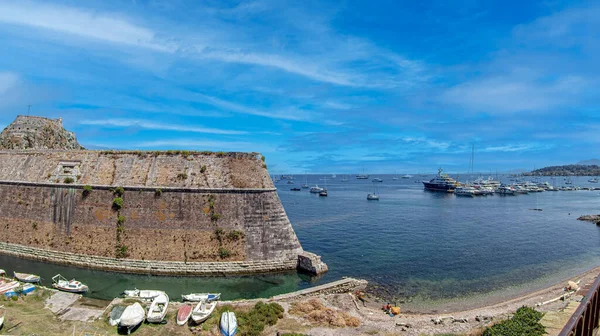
x=567, y=170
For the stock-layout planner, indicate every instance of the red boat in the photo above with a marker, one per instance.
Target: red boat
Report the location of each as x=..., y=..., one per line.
x=183, y=314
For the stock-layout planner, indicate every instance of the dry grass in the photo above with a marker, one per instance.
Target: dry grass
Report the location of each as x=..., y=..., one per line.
x=315, y=311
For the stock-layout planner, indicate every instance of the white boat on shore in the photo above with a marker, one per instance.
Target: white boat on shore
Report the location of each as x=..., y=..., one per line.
x=72, y=286
x=26, y=277
x=132, y=317
x=197, y=297
x=228, y=324
x=158, y=309
x=143, y=294
x=202, y=311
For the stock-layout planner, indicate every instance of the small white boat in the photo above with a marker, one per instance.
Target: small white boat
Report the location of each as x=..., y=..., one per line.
x=72, y=286
x=25, y=277
x=158, y=309
x=115, y=315
x=373, y=197
x=132, y=317
x=407, y=176
x=1, y=321
x=377, y=179
x=316, y=189
x=228, y=324
x=197, y=297
x=202, y=311
x=465, y=191
x=143, y=294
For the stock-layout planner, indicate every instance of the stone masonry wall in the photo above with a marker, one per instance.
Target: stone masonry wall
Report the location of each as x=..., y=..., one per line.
x=137, y=168
x=177, y=225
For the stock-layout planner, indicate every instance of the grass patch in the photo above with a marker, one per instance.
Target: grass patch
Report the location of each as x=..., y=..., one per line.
x=251, y=322
x=525, y=322
x=315, y=311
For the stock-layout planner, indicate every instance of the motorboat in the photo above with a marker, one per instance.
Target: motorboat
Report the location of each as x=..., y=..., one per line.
x=183, y=314
x=373, y=197
x=72, y=286
x=316, y=189
x=407, y=176
x=377, y=179
x=115, y=315
x=295, y=189
x=442, y=182
x=465, y=191
x=593, y=180
x=197, y=297
x=132, y=316
x=158, y=309
x=323, y=193
x=228, y=324
x=143, y=294
x=202, y=311
x=25, y=277
x=505, y=190
x=362, y=177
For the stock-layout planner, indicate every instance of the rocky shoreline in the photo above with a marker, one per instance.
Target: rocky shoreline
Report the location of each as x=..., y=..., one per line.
x=590, y=218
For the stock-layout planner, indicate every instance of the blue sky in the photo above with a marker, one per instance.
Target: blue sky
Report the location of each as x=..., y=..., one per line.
x=317, y=86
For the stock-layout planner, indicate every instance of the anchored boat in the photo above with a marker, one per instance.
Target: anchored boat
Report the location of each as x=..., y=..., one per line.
x=197, y=297
x=202, y=311
x=158, y=309
x=143, y=294
x=71, y=286
x=228, y=324
x=25, y=277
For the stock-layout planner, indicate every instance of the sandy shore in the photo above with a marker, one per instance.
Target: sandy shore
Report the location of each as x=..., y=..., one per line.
x=471, y=321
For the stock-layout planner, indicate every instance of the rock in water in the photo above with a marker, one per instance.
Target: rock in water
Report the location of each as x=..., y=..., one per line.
x=30, y=132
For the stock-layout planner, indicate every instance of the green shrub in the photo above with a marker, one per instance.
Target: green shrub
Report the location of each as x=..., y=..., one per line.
x=220, y=154
x=121, y=220
x=264, y=165
x=235, y=235
x=87, y=189
x=117, y=203
x=68, y=180
x=224, y=253
x=219, y=234
x=203, y=169
x=121, y=251
x=253, y=323
x=34, y=225
x=215, y=217
x=119, y=191
x=157, y=192
x=262, y=157
x=182, y=176
x=525, y=322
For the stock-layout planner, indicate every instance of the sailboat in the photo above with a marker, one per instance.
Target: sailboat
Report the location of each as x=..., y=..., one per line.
x=374, y=196
x=305, y=185
x=395, y=176
x=362, y=176
x=344, y=179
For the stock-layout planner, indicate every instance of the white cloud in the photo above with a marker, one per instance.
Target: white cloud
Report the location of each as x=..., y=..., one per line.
x=8, y=80
x=109, y=27
x=510, y=94
x=201, y=145
x=516, y=148
x=159, y=126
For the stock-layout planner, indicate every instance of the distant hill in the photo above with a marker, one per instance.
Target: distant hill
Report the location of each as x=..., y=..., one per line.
x=568, y=170
x=592, y=162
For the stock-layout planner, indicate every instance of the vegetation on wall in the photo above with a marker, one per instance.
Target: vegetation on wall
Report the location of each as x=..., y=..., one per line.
x=68, y=180
x=87, y=190
x=157, y=192
x=117, y=203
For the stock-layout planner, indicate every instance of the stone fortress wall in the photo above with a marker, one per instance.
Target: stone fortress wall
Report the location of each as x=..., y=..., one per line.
x=177, y=206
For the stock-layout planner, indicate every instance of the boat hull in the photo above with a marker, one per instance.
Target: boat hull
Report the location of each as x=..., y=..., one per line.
x=29, y=278
x=438, y=187
x=183, y=314
x=228, y=324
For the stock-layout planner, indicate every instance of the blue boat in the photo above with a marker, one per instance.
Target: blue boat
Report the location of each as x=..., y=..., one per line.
x=27, y=289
